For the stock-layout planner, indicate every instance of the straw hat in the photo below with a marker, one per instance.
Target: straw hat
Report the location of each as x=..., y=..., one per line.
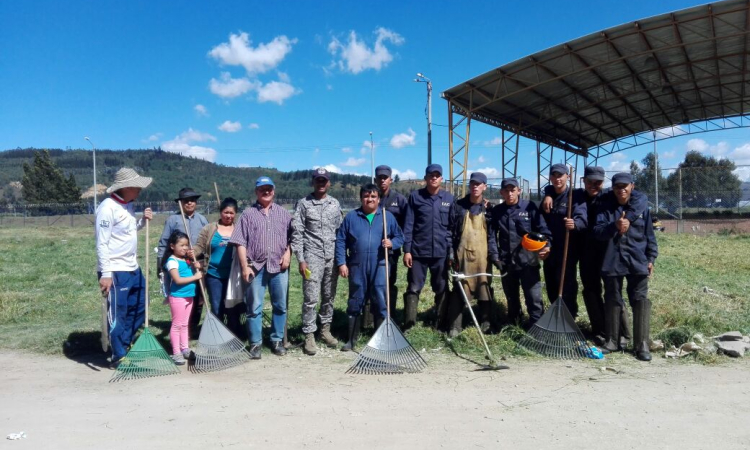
x=125, y=178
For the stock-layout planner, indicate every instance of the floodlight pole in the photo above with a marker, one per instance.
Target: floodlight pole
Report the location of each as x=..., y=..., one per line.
x=94, y=151
x=372, y=159
x=656, y=177
x=423, y=79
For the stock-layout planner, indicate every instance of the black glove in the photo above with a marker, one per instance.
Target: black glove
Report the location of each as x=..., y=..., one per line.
x=159, y=268
x=498, y=265
x=452, y=264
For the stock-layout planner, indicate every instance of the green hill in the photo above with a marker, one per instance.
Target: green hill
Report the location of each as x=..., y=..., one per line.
x=170, y=172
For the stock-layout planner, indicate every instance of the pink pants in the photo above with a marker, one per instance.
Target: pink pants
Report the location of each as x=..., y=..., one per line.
x=178, y=334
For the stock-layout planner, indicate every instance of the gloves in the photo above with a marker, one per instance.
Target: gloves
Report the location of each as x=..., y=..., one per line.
x=452, y=264
x=498, y=265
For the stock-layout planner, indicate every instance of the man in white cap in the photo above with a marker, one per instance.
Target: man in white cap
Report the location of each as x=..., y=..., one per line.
x=120, y=278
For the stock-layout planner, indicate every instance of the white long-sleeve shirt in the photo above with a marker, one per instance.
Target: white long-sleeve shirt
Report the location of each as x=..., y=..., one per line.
x=116, y=236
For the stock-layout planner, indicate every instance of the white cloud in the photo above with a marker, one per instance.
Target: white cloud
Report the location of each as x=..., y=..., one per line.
x=230, y=127
x=331, y=168
x=228, y=87
x=354, y=162
x=402, y=140
x=155, y=137
x=253, y=126
x=355, y=56
x=346, y=150
x=671, y=131
x=697, y=144
x=668, y=155
x=743, y=173
x=201, y=110
x=407, y=174
x=329, y=87
x=481, y=159
x=740, y=155
x=276, y=91
x=240, y=52
x=619, y=156
x=491, y=172
x=493, y=142
x=183, y=144
x=365, y=150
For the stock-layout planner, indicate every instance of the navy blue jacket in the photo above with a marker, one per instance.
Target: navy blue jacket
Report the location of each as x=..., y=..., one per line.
x=627, y=254
x=359, y=243
x=508, y=225
x=426, y=232
x=558, y=212
x=395, y=204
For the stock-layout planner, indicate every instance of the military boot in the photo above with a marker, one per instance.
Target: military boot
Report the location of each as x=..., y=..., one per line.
x=641, y=329
x=326, y=336
x=354, y=322
x=612, y=312
x=367, y=319
x=454, y=320
x=410, y=310
x=310, y=348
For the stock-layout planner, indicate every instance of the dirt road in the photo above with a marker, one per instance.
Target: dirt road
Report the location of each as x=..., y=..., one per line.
x=299, y=402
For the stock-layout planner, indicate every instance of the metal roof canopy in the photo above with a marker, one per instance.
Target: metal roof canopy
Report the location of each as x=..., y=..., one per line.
x=676, y=68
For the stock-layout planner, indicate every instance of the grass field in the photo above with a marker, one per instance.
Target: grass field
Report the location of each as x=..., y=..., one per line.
x=49, y=300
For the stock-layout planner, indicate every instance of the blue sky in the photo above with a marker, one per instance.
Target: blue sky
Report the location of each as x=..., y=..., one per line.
x=290, y=85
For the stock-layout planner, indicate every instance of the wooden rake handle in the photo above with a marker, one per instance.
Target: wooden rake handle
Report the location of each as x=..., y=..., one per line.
x=387, y=285
x=190, y=244
x=567, y=234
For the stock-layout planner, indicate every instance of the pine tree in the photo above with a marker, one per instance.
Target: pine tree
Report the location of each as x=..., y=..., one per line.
x=44, y=182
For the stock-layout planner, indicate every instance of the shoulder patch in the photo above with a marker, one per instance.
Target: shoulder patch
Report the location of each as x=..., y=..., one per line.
x=104, y=223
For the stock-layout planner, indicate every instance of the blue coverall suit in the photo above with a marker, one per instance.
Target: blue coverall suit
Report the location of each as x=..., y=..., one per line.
x=359, y=246
x=555, y=220
x=508, y=225
x=427, y=238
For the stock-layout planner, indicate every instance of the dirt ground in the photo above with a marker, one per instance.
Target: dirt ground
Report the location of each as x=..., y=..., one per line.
x=300, y=402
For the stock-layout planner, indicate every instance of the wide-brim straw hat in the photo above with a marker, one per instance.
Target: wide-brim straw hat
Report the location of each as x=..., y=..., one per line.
x=125, y=178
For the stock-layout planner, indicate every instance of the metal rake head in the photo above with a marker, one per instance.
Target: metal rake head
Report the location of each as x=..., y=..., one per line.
x=556, y=335
x=388, y=352
x=218, y=348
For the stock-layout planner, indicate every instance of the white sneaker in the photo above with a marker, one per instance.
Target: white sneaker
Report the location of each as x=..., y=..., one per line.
x=178, y=359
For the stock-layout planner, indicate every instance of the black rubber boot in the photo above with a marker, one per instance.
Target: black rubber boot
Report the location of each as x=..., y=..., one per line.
x=441, y=307
x=641, y=330
x=612, y=312
x=484, y=308
x=394, y=298
x=354, y=322
x=379, y=321
x=367, y=319
x=625, y=335
x=455, y=314
x=595, y=311
x=410, y=310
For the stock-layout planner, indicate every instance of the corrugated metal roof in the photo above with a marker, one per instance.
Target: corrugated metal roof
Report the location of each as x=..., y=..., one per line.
x=670, y=69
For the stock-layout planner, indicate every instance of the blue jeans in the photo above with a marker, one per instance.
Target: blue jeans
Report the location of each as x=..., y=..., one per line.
x=277, y=284
x=216, y=288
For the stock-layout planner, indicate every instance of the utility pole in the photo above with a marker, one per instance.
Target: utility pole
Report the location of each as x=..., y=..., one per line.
x=656, y=176
x=94, y=151
x=423, y=79
x=372, y=159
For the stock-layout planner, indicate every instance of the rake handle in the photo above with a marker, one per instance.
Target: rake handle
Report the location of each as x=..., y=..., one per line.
x=458, y=278
x=147, y=270
x=190, y=245
x=387, y=285
x=567, y=234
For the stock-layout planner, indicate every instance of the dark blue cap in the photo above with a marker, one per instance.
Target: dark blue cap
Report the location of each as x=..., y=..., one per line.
x=595, y=173
x=264, y=181
x=558, y=168
x=508, y=182
x=478, y=177
x=383, y=170
x=434, y=168
x=622, y=178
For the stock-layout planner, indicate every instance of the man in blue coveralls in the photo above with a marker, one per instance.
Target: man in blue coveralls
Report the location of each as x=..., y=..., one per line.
x=394, y=203
x=427, y=244
x=360, y=257
x=631, y=250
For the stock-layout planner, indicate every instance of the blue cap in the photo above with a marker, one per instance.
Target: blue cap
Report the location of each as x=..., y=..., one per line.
x=264, y=181
x=558, y=168
x=383, y=170
x=508, y=182
x=595, y=173
x=434, y=168
x=622, y=178
x=478, y=177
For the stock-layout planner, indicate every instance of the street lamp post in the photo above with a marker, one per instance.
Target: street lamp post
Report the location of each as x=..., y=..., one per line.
x=423, y=79
x=94, y=151
x=372, y=159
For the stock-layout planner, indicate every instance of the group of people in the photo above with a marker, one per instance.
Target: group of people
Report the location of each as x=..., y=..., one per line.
x=611, y=239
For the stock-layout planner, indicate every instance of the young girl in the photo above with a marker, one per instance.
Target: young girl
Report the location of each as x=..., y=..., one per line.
x=181, y=294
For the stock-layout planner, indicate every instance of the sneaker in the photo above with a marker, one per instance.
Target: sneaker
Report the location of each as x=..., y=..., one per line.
x=255, y=351
x=179, y=360
x=278, y=348
x=188, y=354
x=115, y=364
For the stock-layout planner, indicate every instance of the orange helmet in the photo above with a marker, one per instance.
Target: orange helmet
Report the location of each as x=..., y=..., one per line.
x=534, y=242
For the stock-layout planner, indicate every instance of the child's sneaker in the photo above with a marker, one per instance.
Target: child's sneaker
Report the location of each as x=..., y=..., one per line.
x=188, y=354
x=178, y=359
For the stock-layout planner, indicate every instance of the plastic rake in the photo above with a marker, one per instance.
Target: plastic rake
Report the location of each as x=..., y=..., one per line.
x=387, y=352
x=217, y=348
x=556, y=334
x=146, y=358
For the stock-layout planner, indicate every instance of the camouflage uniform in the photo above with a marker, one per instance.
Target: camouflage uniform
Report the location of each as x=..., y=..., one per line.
x=313, y=242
